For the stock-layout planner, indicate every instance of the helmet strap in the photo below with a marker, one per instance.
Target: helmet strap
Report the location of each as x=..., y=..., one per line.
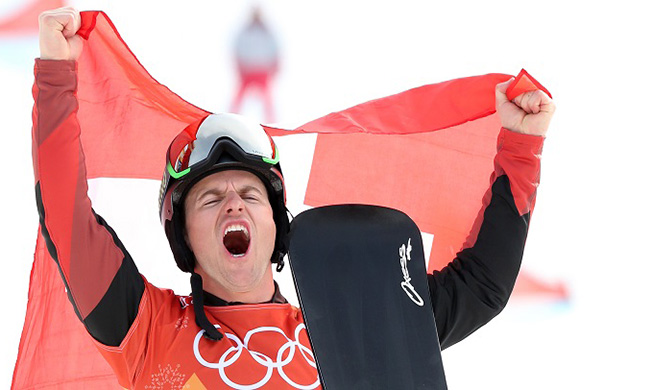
x=280, y=263
x=210, y=332
x=282, y=241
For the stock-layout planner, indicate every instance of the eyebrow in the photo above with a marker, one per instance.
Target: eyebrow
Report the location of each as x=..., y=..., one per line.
x=214, y=191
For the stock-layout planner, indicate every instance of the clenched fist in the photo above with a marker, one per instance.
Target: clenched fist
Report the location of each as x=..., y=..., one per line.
x=57, y=39
x=528, y=113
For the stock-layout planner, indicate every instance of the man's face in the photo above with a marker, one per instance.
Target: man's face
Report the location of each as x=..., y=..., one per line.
x=230, y=229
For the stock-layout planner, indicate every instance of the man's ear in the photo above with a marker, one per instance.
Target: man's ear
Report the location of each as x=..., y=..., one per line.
x=190, y=250
x=183, y=229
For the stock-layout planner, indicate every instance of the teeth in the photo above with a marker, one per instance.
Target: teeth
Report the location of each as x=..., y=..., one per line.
x=236, y=228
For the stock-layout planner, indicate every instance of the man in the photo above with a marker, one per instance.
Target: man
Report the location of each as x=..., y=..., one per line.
x=257, y=59
x=222, y=205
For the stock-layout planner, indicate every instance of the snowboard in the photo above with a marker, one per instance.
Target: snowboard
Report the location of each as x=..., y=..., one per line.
x=360, y=276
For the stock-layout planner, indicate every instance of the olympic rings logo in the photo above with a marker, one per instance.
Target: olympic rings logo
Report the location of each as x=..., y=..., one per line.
x=232, y=354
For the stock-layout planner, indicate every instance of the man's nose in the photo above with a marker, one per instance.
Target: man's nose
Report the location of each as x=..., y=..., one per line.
x=234, y=203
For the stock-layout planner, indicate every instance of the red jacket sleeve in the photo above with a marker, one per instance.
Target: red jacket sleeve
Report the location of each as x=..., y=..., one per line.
x=476, y=285
x=101, y=279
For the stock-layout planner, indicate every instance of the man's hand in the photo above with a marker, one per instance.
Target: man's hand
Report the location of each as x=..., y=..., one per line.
x=57, y=39
x=528, y=113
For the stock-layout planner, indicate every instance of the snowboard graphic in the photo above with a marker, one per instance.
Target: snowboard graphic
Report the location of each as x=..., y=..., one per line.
x=361, y=281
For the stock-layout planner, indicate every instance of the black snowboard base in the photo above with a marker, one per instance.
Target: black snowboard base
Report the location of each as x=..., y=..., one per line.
x=361, y=281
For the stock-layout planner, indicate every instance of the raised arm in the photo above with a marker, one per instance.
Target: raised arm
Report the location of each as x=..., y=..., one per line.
x=476, y=285
x=101, y=279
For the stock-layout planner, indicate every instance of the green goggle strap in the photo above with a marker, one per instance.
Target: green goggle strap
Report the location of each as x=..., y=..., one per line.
x=176, y=175
x=275, y=160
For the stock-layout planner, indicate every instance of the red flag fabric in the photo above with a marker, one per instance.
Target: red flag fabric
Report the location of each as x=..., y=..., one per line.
x=26, y=20
x=437, y=172
x=438, y=175
x=55, y=351
x=433, y=161
x=128, y=118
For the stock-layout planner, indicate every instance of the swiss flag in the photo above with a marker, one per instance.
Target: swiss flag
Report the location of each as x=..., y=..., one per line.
x=427, y=151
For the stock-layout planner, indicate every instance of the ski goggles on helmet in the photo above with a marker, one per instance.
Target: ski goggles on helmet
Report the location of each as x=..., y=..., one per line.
x=192, y=149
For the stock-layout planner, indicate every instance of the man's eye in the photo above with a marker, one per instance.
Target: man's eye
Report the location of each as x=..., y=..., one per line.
x=212, y=201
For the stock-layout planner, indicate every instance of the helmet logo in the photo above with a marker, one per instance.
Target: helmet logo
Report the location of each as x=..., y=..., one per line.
x=162, y=190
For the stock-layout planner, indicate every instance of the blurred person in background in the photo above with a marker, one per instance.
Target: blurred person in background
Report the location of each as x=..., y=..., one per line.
x=257, y=59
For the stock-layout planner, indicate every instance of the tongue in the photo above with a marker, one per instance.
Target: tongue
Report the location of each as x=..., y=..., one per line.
x=236, y=243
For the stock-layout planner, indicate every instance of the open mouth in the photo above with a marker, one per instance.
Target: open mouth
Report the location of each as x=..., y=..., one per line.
x=236, y=239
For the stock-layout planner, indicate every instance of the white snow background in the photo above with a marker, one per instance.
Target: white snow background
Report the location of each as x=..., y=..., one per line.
x=592, y=222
